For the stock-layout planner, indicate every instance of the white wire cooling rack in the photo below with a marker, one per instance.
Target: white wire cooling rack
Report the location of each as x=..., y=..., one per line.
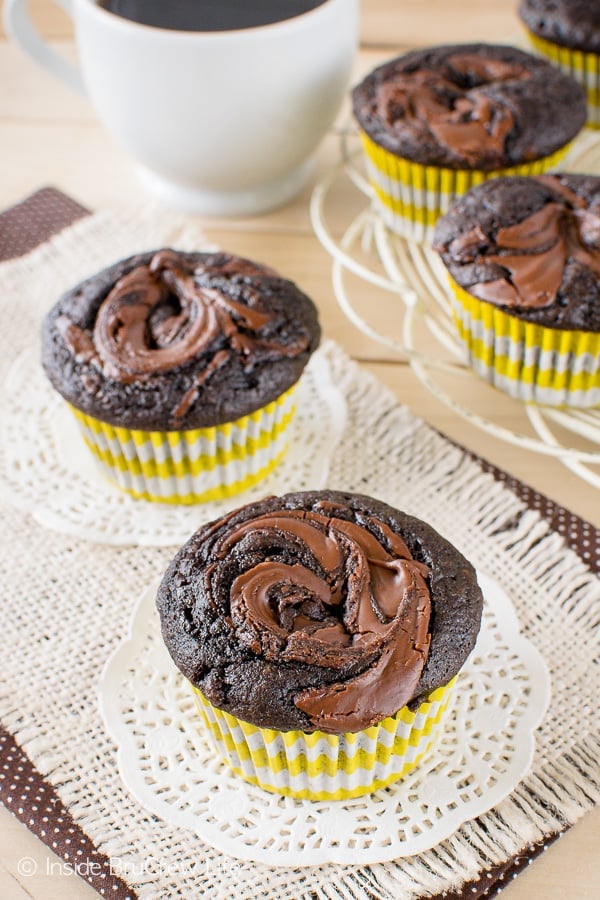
x=425, y=336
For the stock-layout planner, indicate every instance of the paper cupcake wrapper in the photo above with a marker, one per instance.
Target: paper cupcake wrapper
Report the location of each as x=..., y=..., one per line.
x=528, y=361
x=195, y=466
x=583, y=67
x=322, y=766
x=411, y=197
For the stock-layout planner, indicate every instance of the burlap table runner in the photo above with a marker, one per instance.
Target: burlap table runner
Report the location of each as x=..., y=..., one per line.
x=78, y=808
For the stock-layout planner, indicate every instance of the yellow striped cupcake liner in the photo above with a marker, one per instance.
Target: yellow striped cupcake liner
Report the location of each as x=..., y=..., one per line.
x=195, y=466
x=411, y=197
x=320, y=766
x=528, y=361
x=583, y=67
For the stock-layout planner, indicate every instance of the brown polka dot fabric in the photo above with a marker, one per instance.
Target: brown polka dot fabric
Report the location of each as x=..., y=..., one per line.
x=23, y=789
x=579, y=535
x=24, y=226
x=35, y=802
x=491, y=882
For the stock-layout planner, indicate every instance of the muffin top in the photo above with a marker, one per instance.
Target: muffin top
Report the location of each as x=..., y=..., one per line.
x=570, y=23
x=168, y=341
x=319, y=611
x=530, y=246
x=469, y=106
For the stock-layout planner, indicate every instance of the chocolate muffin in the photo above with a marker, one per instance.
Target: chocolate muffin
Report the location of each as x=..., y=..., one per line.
x=170, y=358
x=567, y=32
x=570, y=23
x=319, y=610
x=527, y=251
x=319, y=614
x=170, y=341
x=469, y=105
x=438, y=120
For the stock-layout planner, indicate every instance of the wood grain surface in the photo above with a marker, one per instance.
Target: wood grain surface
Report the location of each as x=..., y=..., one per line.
x=50, y=136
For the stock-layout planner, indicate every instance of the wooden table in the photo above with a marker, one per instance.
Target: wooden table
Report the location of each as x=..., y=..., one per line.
x=49, y=136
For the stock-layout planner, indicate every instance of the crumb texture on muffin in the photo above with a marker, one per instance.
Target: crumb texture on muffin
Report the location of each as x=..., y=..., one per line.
x=530, y=246
x=570, y=23
x=320, y=611
x=168, y=340
x=468, y=106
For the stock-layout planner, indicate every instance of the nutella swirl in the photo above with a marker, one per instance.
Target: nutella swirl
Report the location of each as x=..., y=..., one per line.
x=469, y=106
x=461, y=117
x=170, y=340
x=533, y=253
x=158, y=317
x=322, y=611
x=347, y=599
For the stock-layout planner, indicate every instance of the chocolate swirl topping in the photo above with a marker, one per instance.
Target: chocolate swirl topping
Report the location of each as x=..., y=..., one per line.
x=355, y=600
x=316, y=597
x=526, y=263
x=469, y=106
x=460, y=116
x=158, y=317
x=182, y=317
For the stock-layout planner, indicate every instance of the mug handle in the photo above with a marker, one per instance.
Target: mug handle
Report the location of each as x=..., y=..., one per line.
x=20, y=29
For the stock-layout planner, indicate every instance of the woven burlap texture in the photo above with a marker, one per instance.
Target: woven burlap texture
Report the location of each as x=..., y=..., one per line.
x=66, y=605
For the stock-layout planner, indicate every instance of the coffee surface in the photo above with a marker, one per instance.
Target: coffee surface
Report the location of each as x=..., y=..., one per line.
x=208, y=15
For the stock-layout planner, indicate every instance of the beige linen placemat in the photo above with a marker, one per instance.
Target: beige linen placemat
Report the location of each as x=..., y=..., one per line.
x=66, y=605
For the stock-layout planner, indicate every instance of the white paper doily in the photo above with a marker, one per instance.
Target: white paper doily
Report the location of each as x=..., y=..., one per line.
x=46, y=468
x=168, y=765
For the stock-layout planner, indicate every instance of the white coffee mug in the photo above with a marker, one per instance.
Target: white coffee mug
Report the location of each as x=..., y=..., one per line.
x=219, y=122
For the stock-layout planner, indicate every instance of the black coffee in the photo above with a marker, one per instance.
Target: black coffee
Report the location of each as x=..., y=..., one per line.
x=208, y=15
